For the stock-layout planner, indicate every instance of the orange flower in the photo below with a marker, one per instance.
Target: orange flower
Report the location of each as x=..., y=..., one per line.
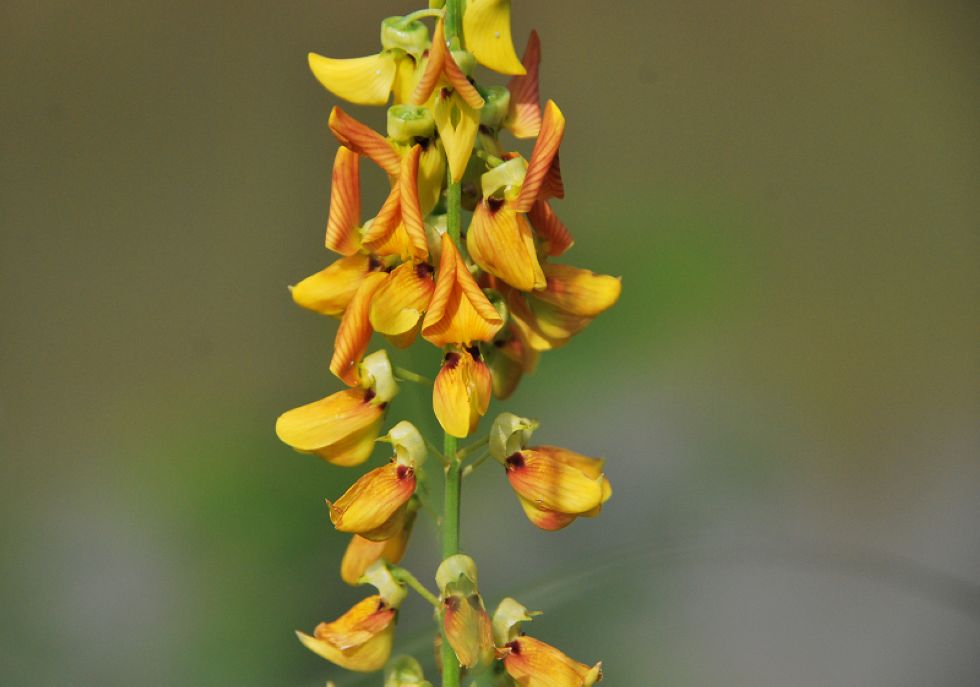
x=555, y=485
x=459, y=312
x=330, y=290
x=398, y=304
x=461, y=393
x=359, y=640
x=375, y=506
x=361, y=552
x=398, y=229
x=532, y=663
x=354, y=332
x=340, y=428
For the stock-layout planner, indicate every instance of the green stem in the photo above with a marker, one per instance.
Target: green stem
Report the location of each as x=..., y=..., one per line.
x=403, y=375
x=454, y=22
x=475, y=464
x=403, y=575
x=421, y=14
x=467, y=451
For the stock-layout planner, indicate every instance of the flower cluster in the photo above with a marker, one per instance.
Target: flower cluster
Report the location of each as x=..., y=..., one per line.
x=490, y=298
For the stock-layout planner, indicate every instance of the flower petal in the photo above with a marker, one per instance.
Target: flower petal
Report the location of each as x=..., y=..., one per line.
x=468, y=628
x=330, y=290
x=486, y=25
x=458, y=124
x=373, y=499
x=359, y=640
x=551, y=484
x=440, y=64
x=354, y=331
x=385, y=234
x=578, y=291
x=408, y=193
x=398, y=304
x=499, y=240
x=555, y=237
x=345, y=203
x=524, y=114
x=432, y=175
x=340, y=428
x=361, y=552
x=461, y=392
x=548, y=520
x=406, y=76
x=459, y=311
x=361, y=80
x=532, y=663
x=544, y=153
x=364, y=140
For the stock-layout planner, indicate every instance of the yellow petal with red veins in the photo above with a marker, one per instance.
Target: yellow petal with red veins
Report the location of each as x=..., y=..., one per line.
x=590, y=467
x=486, y=25
x=330, y=290
x=361, y=80
x=524, y=113
x=385, y=234
x=461, y=392
x=578, y=291
x=354, y=332
x=373, y=500
x=542, y=157
x=340, y=428
x=532, y=663
x=468, y=628
x=499, y=240
x=458, y=123
x=551, y=484
x=548, y=520
x=345, y=203
x=364, y=140
x=398, y=304
x=440, y=67
x=360, y=640
x=555, y=237
x=361, y=552
x=459, y=311
x=408, y=194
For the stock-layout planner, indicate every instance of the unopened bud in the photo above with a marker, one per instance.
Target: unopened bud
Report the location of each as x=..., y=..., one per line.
x=377, y=375
x=411, y=36
x=495, y=108
x=408, y=122
x=408, y=443
x=505, y=178
x=507, y=620
x=510, y=434
x=453, y=569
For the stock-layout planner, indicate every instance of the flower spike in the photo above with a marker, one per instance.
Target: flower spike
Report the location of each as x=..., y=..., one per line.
x=486, y=24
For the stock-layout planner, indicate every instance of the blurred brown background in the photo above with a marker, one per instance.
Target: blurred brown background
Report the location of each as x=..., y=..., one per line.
x=787, y=392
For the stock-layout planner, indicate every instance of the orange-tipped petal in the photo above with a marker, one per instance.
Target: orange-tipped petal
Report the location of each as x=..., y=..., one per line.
x=408, y=189
x=385, y=234
x=360, y=640
x=578, y=291
x=459, y=311
x=397, y=306
x=499, y=240
x=468, y=628
x=354, y=331
x=361, y=80
x=545, y=151
x=551, y=484
x=555, y=237
x=340, y=428
x=457, y=79
x=373, y=500
x=345, y=203
x=461, y=392
x=524, y=115
x=486, y=25
x=364, y=140
x=330, y=290
x=532, y=663
x=432, y=71
x=361, y=552
x=458, y=124
x=548, y=520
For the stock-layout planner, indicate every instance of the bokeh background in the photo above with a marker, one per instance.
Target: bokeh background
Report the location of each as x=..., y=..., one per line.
x=786, y=393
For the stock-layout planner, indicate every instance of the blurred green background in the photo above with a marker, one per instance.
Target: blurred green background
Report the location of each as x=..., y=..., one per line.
x=786, y=393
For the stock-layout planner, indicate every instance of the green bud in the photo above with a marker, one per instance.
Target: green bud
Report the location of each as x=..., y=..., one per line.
x=506, y=177
x=376, y=373
x=455, y=569
x=411, y=36
x=407, y=122
x=507, y=620
x=405, y=671
x=408, y=443
x=510, y=434
x=497, y=103
x=464, y=60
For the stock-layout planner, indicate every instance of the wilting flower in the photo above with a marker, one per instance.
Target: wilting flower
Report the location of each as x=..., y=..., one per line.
x=500, y=239
x=459, y=312
x=361, y=638
x=457, y=106
x=461, y=393
x=465, y=620
x=369, y=80
x=340, y=428
x=376, y=505
x=532, y=663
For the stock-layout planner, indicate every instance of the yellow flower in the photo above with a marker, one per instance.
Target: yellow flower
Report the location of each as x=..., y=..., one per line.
x=486, y=25
x=457, y=105
x=359, y=640
x=330, y=290
x=354, y=332
x=555, y=485
x=459, y=312
x=532, y=663
x=361, y=553
x=398, y=304
x=398, y=228
x=375, y=506
x=461, y=392
x=340, y=428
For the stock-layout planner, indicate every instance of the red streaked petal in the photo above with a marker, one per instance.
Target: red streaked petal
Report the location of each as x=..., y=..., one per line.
x=345, y=203
x=354, y=331
x=554, y=235
x=524, y=115
x=408, y=185
x=433, y=67
x=364, y=140
x=500, y=242
x=545, y=151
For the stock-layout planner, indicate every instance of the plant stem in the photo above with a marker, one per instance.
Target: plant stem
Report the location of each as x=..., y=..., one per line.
x=454, y=22
x=408, y=578
x=404, y=375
